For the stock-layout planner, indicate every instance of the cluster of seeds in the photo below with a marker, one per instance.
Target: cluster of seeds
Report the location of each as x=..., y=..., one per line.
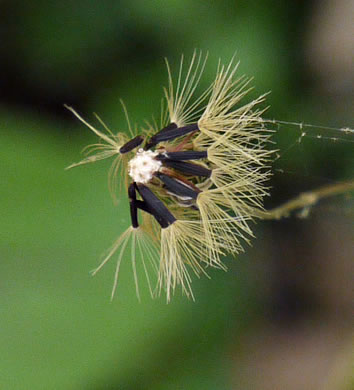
x=195, y=183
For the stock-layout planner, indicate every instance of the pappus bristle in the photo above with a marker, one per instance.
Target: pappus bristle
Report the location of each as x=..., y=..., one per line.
x=182, y=107
x=110, y=145
x=135, y=243
x=183, y=248
x=234, y=138
x=219, y=226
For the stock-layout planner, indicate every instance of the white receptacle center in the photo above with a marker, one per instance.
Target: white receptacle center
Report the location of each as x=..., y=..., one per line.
x=143, y=166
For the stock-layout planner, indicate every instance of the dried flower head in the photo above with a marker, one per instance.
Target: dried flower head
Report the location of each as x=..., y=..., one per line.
x=196, y=182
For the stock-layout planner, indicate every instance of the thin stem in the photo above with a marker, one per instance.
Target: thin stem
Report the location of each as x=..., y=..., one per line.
x=306, y=199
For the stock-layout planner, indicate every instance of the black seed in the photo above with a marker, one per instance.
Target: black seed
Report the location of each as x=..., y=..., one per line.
x=140, y=204
x=132, y=144
x=169, y=127
x=188, y=168
x=177, y=187
x=133, y=205
x=171, y=134
x=165, y=130
x=156, y=207
x=183, y=156
x=132, y=191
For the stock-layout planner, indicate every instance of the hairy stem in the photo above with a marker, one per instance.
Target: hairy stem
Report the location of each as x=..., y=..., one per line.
x=306, y=199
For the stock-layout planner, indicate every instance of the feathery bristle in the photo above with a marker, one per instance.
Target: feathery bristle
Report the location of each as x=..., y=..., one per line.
x=223, y=230
x=136, y=242
x=182, y=108
x=183, y=248
x=110, y=147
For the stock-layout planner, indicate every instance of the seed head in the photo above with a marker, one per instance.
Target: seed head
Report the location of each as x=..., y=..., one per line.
x=198, y=179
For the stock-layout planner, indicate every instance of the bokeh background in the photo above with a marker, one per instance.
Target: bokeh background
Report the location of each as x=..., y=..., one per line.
x=282, y=316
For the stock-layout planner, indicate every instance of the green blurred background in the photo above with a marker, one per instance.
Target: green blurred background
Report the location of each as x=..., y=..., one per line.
x=281, y=317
